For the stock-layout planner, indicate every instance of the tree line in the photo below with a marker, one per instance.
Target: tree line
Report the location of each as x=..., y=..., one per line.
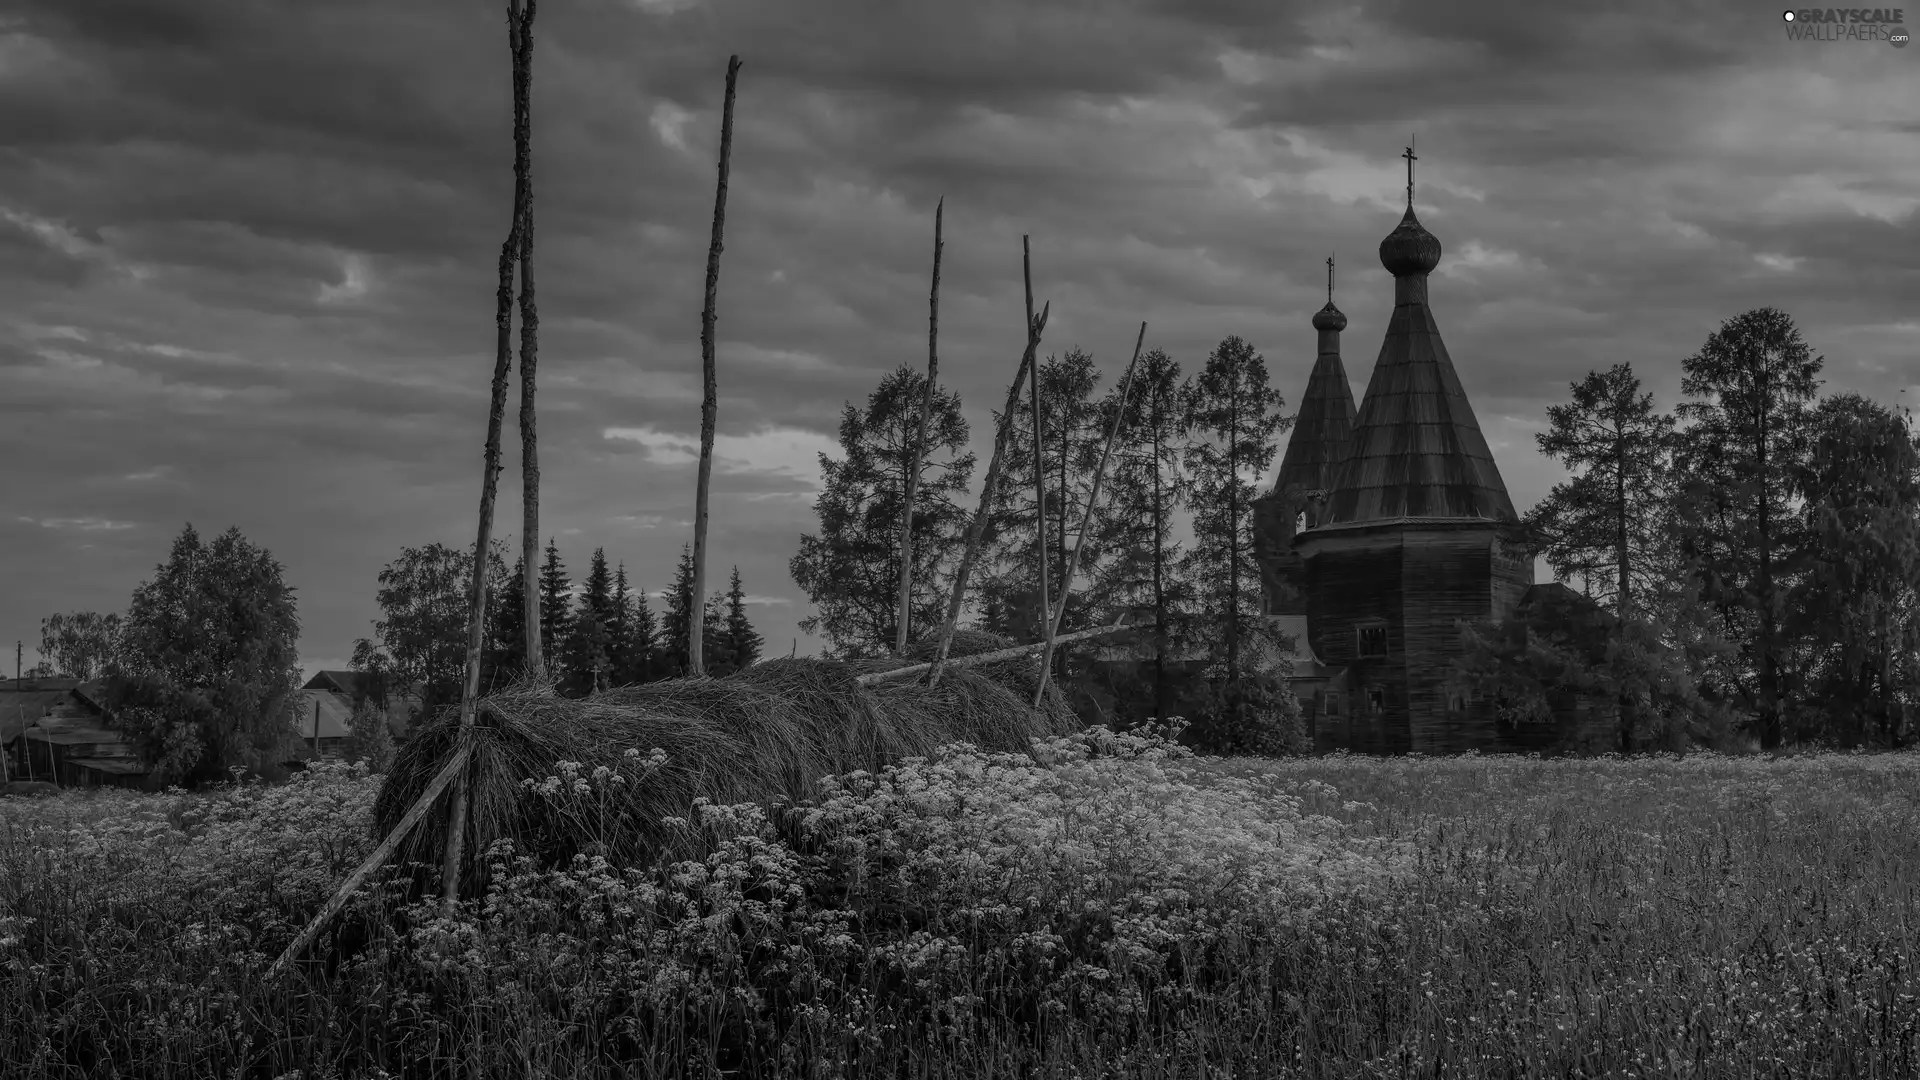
x=1189, y=452
x=1756, y=554
x=609, y=635
x=1749, y=564
x=201, y=672
x=1753, y=556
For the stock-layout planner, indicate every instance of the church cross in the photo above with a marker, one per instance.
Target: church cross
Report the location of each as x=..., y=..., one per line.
x=1329, y=279
x=1410, y=160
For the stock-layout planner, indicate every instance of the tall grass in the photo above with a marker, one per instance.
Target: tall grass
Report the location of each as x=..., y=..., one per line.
x=1114, y=908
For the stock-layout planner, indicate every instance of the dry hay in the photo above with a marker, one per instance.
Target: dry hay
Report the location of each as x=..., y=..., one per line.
x=764, y=735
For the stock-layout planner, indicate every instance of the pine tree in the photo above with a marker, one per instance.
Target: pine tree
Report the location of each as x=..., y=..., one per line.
x=850, y=569
x=1745, y=445
x=742, y=642
x=1071, y=438
x=1605, y=524
x=676, y=623
x=506, y=651
x=1149, y=483
x=556, y=605
x=1602, y=524
x=1854, y=619
x=1236, y=417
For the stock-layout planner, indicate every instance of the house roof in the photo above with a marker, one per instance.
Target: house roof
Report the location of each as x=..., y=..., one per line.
x=1417, y=450
x=340, y=682
x=80, y=731
x=335, y=714
x=24, y=701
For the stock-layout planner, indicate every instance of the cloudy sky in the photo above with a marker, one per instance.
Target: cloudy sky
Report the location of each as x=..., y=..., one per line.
x=247, y=249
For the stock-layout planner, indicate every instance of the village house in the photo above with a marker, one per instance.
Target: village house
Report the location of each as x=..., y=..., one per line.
x=338, y=690
x=56, y=730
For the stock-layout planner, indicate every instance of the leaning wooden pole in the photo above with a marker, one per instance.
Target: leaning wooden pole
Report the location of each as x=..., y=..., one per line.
x=1013, y=653
x=1039, y=471
x=978, y=527
x=496, y=419
x=919, y=448
x=710, y=399
x=455, y=766
x=529, y=348
x=1086, y=521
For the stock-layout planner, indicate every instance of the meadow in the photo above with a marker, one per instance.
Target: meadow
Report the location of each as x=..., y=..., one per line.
x=1116, y=907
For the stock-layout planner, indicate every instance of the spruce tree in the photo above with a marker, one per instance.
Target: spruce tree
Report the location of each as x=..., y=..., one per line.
x=678, y=620
x=556, y=601
x=589, y=642
x=743, y=643
x=506, y=652
x=643, y=643
x=620, y=630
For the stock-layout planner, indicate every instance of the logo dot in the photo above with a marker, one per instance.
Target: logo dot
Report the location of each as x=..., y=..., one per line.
x=1788, y=16
x=1898, y=35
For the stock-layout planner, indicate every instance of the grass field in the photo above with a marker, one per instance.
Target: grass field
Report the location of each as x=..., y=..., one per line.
x=1122, y=910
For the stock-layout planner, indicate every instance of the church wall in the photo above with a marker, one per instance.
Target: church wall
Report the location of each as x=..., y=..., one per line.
x=1447, y=578
x=1351, y=580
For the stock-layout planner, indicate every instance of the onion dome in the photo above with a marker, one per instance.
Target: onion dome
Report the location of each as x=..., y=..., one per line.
x=1410, y=250
x=1329, y=318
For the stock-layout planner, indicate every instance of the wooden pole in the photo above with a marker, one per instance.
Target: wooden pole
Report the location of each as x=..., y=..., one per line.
x=529, y=351
x=1086, y=520
x=517, y=36
x=919, y=448
x=1039, y=468
x=979, y=525
x=316, y=725
x=1013, y=653
x=455, y=766
x=710, y=401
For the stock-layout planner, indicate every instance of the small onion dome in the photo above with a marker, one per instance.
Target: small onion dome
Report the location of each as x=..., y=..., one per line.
x=1409, y=249
x=1329, y=318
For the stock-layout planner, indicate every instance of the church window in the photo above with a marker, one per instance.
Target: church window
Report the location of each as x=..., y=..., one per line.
x=1376, y=699
x=1453, y=701
x=1372, y=639
x=1333, y=703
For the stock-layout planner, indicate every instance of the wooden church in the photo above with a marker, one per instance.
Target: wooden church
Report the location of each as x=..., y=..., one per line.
x=1385, y=525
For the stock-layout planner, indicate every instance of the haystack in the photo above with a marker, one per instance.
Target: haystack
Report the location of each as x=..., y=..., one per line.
x=765, y=735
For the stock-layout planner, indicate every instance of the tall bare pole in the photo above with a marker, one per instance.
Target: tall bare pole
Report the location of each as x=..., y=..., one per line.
x=517, y=37
x=1086, y=521
x=529, y=350
x=710, y=402
x=1039, y=468
x=919, y=443
x=978, y=527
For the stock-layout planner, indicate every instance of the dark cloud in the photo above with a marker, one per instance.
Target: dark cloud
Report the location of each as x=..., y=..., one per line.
x=250, y=249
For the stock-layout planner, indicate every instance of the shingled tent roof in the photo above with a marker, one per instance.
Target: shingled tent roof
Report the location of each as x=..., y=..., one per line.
x=1324, y=428
x=1417, y=451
